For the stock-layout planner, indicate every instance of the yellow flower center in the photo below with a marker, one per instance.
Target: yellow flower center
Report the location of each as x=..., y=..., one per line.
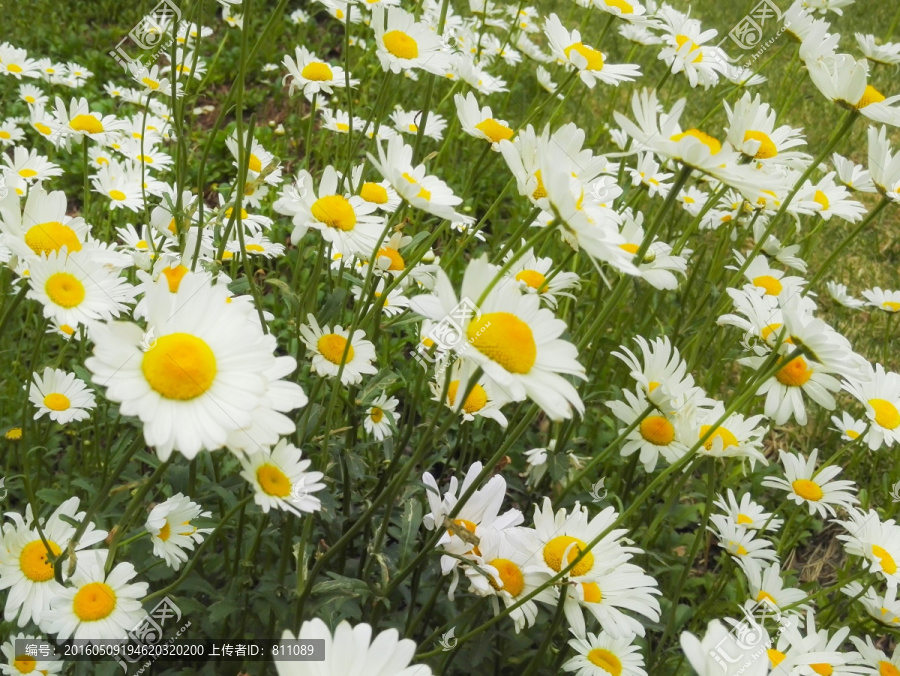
x=592, y=56
x=24, y=664
x=888, y=565
x=149, y=82
x=795, y=373
x=27, y=173
x=476, y=400
x=374, y=193
x=273, y=481
x=510, y=575
x=606, y=661
x=504, y=338
x=64, y=289
x=592, y=593
x=57, y=402
x=886, y=414
x=174, y=276
x=776, y=657
x=342, y=126
x=728, y=439
x=94, y=601
x=5, y=134
x=771, y=328
x=230, y=211
x=331, y=346
x=621, y=5
x=540, y=191
x=556, y=548
x=43, y=128
x=181, y=366
x=891, y=305
x=808, y=490
x=743, y=519
x=165, y=532
x=254, y=163
x=117, y=195
x=376, y=414
x=534, y=279
x=765, y=596
x=14, y=68
x=397, y=262
x=400, y=45
x=682, y=40
x=334, y=211
x=710, y=142
x=767, y=149
x=52, y=236
x=870, y=96
x=144, y=158
x=36, y=562
x=629, y=247
x=13, y=433
x=771, y=285
x=496, y=131
x=657, y=430
x=317, y=72
x=822, y=669
x=887, y=669
x=821, y=199
x=87, y=124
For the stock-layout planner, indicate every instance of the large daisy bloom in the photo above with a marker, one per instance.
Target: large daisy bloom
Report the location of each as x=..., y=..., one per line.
x=200, y=376
x=590, y=62
x=352, y=651
x=97, y=606
x=281, y=481
x=169, y=525
x=78, y=121
x=511, y=337
x=40, y=226
x=27, y=567
x=61, y=395
x=818, y=490
x=312, y=75
x=603, y=655
x=345, y=221
x=480, y=122
x=402, y=43
x=328, y=347
x=77, y=288
x=875, y=540
x=421, y=190
x=26, y=664
x=879, y=391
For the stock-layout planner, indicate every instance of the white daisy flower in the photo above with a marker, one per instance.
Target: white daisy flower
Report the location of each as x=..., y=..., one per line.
x=97, y=605
x=61, y=395
x=818, y=489
x=329, y=347
x=169, y=525
x=281, y=481
x=381, y=417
